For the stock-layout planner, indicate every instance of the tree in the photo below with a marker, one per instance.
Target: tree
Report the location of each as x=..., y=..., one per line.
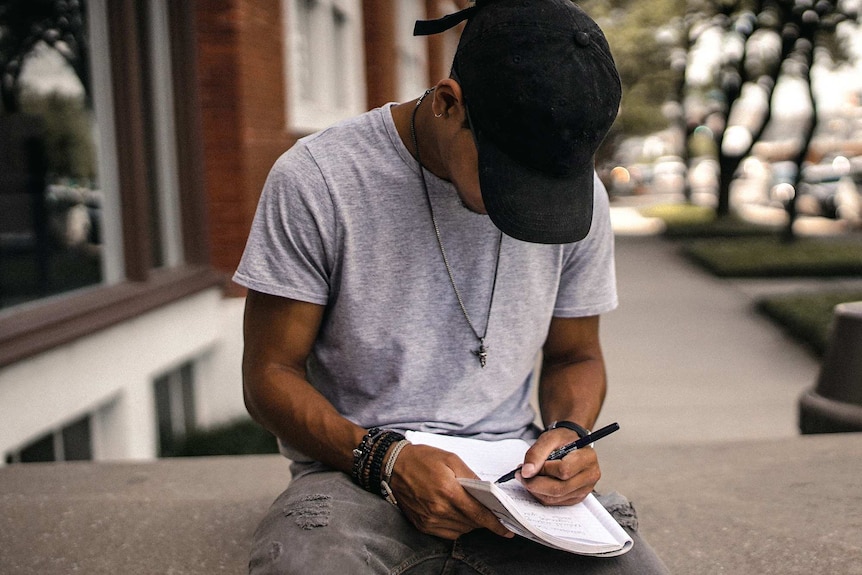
x=60, y=24
x=636, y=33
x=762, y=42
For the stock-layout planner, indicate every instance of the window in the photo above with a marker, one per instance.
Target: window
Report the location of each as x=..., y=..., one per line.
x=101, y=186
x=71, y=443
x=51, y=193
x=325, y=75
x=61, y=225
x=175, y=409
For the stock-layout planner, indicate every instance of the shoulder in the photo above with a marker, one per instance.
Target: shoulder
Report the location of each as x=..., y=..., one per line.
x=349, y=137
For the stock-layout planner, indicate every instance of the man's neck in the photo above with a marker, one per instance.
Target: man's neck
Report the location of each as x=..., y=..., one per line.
x=402, y=115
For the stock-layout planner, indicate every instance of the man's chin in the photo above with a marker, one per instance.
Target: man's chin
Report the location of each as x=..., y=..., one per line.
x=473, y=208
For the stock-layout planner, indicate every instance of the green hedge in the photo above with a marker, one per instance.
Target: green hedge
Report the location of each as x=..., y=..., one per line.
x=242, y=437
x=687, y=221
x=771, y=257
x=807, y=317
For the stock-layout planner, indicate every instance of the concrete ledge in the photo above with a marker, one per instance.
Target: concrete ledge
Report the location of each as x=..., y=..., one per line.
x=788, y=506
x=179, y=516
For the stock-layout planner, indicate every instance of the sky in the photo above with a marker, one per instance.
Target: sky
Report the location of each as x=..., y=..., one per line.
x=45, y=71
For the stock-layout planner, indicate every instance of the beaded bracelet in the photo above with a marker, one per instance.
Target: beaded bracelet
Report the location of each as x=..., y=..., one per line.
x=361, y=453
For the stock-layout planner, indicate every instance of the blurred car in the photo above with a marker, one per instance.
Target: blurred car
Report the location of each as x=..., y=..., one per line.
x=703, y=181
x=831, y=189
x=668, y=175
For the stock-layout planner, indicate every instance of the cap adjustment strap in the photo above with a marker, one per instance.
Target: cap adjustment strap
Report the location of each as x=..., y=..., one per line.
x=429, y=27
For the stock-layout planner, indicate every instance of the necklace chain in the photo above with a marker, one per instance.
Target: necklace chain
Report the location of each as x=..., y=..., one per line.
x=482, y=351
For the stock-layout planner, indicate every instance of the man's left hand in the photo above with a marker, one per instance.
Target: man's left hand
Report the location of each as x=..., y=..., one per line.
x=564, y=481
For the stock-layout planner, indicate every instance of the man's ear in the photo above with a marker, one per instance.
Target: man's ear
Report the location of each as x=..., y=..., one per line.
x=448, y=100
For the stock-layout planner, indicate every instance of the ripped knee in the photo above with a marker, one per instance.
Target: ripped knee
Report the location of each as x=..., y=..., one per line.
x=310, y=512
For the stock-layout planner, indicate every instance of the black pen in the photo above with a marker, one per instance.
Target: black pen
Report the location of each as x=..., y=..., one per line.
x=563, y=451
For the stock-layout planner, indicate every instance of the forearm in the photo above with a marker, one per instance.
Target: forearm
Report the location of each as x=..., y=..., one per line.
x=571, y=387
x=279, y=335
x=573, y=390
x=424, y=482
x=573, y=382
x=291, y=409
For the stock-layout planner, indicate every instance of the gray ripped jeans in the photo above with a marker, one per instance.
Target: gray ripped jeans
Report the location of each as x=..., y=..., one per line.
x=323, y=523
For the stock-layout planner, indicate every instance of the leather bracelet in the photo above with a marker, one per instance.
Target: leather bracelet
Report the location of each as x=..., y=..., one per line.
x=387, y=472
x=579, y=429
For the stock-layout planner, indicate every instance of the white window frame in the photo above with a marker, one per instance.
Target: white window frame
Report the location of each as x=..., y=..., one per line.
x=113, y=263
x=412, y=51
x=324, y=56
x=164, y=128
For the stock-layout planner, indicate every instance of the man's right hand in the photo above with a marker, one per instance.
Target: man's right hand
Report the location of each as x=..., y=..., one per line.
x=425, y=484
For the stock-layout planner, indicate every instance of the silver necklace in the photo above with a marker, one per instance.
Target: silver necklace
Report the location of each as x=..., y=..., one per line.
x=482, y=351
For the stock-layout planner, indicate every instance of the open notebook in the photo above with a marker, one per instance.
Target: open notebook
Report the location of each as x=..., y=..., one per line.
x=586, y=528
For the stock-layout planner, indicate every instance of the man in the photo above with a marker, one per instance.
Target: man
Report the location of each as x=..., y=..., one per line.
x=405, y=270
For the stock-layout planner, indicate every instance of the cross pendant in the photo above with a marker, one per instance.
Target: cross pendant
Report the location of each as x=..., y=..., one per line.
x=482, y=353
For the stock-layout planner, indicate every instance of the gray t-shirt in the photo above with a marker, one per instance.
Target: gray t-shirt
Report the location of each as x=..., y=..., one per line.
x=343, y=222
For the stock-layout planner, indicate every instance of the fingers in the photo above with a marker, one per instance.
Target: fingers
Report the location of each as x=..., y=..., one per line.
x=566, y=481
x=425, y=482
x=537, y=455
x=450, y=513
x=478, y=515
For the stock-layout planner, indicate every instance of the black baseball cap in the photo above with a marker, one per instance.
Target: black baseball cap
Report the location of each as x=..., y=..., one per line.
x=541, y=91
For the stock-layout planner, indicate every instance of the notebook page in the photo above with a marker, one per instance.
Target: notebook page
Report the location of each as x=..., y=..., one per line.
x=488, y=459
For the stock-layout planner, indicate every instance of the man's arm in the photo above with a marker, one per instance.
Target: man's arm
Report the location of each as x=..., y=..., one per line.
x=571, y=387
x=279, y=335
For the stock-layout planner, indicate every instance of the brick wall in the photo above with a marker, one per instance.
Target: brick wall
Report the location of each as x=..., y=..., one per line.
x=380, y=51
x=243, y=105
x=243, y=113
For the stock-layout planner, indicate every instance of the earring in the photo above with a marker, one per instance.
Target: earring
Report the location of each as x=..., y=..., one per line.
x=440, y=115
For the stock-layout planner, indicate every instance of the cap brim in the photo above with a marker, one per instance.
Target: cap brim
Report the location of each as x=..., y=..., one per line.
x=535, y=206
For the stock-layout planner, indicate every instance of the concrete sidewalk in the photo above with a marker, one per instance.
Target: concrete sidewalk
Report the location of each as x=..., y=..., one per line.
x=706, y=392
x=689, y=360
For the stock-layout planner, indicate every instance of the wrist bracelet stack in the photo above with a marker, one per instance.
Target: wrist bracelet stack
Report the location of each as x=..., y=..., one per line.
x=368, y=461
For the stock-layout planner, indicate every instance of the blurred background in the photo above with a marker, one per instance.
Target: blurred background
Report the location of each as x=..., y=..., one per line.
x=135, y=137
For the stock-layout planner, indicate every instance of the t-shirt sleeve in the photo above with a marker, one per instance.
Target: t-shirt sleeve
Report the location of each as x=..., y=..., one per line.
x=289, y=252
x=588, y=281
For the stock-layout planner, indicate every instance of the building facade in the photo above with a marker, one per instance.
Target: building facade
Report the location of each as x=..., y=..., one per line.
x=137, y=136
